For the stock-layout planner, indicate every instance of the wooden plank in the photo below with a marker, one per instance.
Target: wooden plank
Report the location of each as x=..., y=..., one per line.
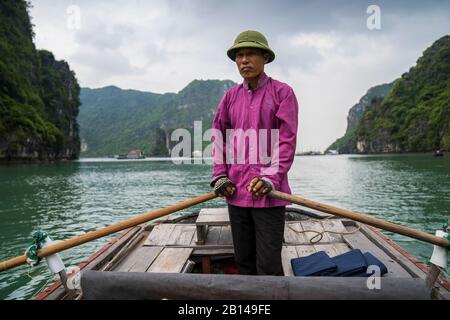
x=309, y=212
x=291, y=236
x=217, y=220
x=162, y=219
x=201, y=234
x=181, y=235
x=315, y=226
x=213, y=252
x=226, y=237
x=288, y=253
x=216, y=216
x=166, y=230
x=334, y=225
x=174, y=235
x=305, y=250
x=204, y=246
x=213, y=211
x=342, y=247
x=409, y=266
x=124, y=252
x=188, y=233
x=140, y=259
x=332, y=249
x=359, y=241
x=160, y=235
x=170, y=260
x=212, y=240
x=213, y=235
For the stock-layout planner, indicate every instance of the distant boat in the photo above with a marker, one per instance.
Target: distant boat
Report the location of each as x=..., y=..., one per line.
x=309, y=153
x=438, y=153
x=332, y=152
x=132, y=155
x=135, y=154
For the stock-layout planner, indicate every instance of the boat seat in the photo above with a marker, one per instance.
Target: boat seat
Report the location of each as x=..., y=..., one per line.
x=210, y=217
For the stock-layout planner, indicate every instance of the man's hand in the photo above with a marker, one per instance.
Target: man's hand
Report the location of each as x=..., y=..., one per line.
x=259, y=186
x=224, y=187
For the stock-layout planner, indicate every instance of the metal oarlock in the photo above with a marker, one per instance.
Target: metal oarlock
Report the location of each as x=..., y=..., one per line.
x=438, y=259
x=54, y=261
x=440, y=254
x=56, y=265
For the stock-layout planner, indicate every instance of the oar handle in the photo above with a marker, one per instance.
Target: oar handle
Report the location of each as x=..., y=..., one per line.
x=363, y=218
x=99, y=233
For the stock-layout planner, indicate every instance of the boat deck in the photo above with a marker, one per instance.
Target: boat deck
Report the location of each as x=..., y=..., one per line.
x=169, y=246
x=196, y=243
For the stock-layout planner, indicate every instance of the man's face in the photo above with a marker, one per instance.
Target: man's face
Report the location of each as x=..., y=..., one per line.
x=250, y=62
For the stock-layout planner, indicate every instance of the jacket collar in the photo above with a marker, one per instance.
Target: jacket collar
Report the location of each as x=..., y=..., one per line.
x=262, y=80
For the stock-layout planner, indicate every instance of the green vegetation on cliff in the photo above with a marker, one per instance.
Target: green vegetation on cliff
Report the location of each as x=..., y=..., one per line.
x=411, y=114
x=38, y=95
x=415, y=116
x=347, y=144
x=114, y=121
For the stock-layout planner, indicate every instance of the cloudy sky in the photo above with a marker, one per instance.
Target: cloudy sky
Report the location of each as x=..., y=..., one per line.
x=325, y=49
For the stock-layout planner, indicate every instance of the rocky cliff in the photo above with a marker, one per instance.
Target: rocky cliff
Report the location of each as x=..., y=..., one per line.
x=410, y=115
x=114, y=121
x=415, y=116
x=347, y=144
x=39, y=96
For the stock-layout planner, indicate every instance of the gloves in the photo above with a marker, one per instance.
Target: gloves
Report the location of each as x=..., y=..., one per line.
x=224, y=187
x=260, y=186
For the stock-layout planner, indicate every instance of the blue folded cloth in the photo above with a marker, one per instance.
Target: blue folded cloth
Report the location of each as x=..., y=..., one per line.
x=371, y=260
x=349, y=263
x=316, y=264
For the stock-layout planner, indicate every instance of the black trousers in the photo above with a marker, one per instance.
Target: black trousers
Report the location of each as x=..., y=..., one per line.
x=257, y=238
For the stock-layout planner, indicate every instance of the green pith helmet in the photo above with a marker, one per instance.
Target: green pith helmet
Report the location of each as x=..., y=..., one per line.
x=250, y=39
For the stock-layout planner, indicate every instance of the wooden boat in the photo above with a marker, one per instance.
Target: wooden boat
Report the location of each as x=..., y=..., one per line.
x=191, y=257
x=439, y=153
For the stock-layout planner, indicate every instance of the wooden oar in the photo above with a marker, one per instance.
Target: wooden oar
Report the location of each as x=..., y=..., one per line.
x=363, y=218
x=75, y=241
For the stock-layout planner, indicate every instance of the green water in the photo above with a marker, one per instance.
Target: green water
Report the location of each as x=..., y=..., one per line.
x=69, y=199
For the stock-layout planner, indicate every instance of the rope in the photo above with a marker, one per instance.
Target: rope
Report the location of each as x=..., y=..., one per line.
x=33, y=249
x=52, y=277
x=39, y=237
x=28, y=274
x=321, y=233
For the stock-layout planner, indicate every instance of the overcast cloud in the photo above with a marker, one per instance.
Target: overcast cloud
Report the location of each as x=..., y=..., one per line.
x=324, y=49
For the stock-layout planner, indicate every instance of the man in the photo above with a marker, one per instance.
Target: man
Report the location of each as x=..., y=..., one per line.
x=264, y=105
